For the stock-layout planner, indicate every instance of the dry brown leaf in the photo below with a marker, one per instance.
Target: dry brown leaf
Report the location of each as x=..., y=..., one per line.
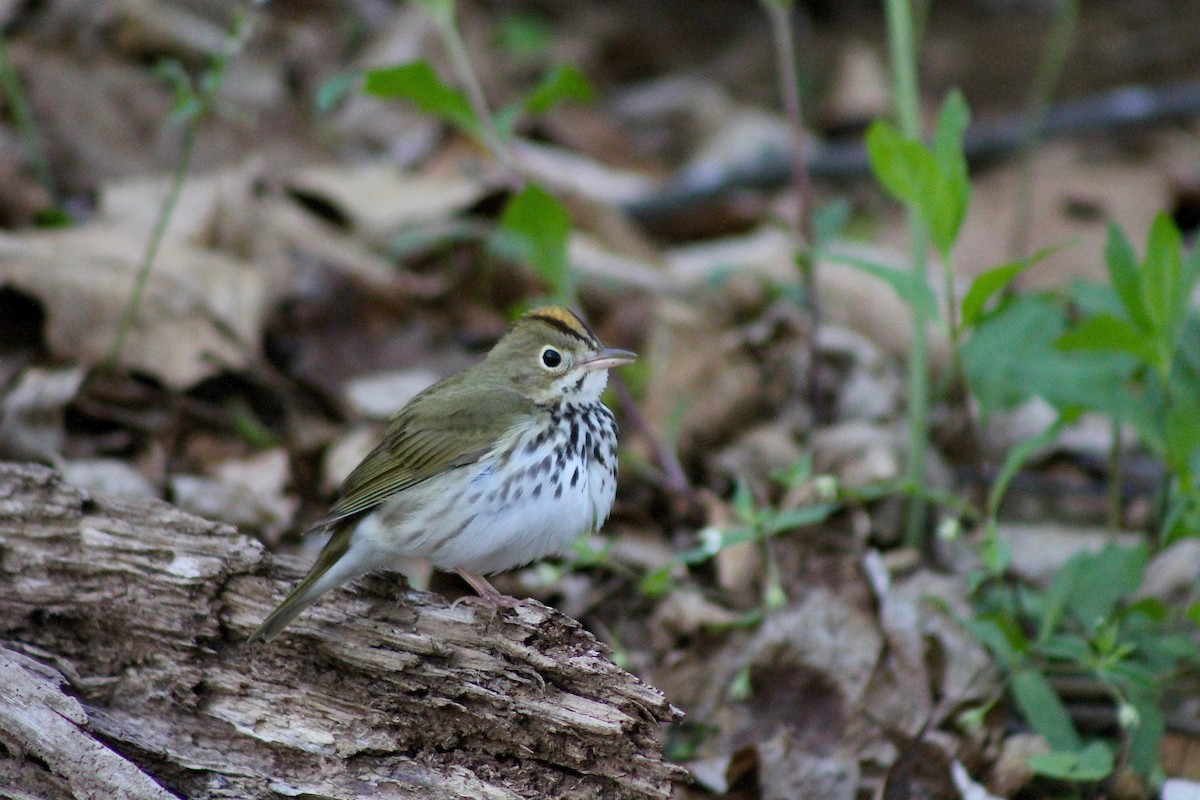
x=248, y=493
x=788, y=771
x=699, y=375
x=858, y=453
x=1039, y=549
x=201, y=312
x=31, y=414
x=109, y=476
x=564, y=171
x=377, y=199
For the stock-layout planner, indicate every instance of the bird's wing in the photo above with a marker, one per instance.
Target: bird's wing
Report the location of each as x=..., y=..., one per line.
x=425, y=439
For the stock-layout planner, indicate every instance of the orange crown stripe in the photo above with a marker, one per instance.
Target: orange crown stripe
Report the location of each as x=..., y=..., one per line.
x=563, y=319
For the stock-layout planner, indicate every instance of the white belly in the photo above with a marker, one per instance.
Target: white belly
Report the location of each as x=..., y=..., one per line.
x=476, y=518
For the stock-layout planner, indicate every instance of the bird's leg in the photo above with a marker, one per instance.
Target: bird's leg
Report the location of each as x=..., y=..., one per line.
x=487, y=593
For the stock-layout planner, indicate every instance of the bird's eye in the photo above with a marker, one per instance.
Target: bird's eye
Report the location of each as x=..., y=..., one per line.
x=551, y=358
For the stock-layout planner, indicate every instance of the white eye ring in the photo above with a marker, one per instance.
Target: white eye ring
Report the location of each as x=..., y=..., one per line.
x=551, y=359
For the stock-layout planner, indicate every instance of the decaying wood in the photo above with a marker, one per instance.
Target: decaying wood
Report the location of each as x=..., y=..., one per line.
x=124, y=674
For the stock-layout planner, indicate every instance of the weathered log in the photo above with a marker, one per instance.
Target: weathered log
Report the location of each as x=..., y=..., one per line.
x=124, y=674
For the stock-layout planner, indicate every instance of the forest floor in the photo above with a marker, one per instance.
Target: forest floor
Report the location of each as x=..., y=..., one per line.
x=327, y=260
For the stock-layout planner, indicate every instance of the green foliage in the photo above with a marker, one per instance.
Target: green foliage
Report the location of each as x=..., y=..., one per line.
x=1144, y=328
x=534, y=228
x=1043, y=710
x=755, y=523
x=331, y=92
x=1086, y=624
x=560, y=83
x=910, y=288
x=524, y=36
x=193, y=101
x=1012, y=357
x=1092, y=763
x=991, y=282
x=933, y=180
x=1129, y=351
x=417, y=83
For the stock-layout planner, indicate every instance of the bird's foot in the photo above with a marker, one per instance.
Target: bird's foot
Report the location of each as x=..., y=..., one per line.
x=489, y=595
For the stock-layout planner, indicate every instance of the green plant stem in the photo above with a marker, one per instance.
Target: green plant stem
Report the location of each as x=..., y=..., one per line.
x=460, y=62
x=10, y=85
x=779, y=13
x=800, y=224
x=1114, y=478
x=901, y=42
x=209, y=86
x=1050, y=67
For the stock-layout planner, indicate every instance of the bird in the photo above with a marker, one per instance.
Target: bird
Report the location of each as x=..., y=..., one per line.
x=498, y=466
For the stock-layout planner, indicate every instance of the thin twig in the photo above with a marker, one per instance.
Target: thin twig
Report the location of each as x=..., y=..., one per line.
x=460, y=62
x=205, y=97
x=1050, y=69
x=10, y=84
x=904, y=75
x=675, y=482
x=800, y=224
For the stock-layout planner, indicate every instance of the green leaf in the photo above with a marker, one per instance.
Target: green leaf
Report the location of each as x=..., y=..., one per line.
x=799, y=517
x=903, y=167
x=1144, y=739
x=1011, y=357
x=952, y=121
x=935, y=183
x=1017, y=457
x=916, y=293
x=657, y=582
x=1182, y=432
x=1106, y=332
x=1093, y=763
x=505, y=119
x=534, y=227
x=945, y=202
x=984, y=286
x=995, y=552
x=1062, y=587
x=523, y=35
x=1001, y=635
x=1107, y=577
x=1126, y=277
x=52, y=217
x=743, y=503
x=1043, y=710
x=943, y=211
x=563, y=82
x=994, y=280
x=417, y=83
x=1069, y=648
x=1160, y=276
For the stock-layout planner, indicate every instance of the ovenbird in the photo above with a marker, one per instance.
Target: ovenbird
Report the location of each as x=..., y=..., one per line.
x=502, y=464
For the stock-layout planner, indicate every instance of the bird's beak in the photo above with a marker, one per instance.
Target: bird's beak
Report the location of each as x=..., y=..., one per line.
x=607, y=358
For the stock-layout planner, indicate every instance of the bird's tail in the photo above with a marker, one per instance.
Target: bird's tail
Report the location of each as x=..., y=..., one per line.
x=336, y=564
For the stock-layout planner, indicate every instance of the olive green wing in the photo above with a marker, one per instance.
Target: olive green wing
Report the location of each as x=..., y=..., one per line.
x=436, y=432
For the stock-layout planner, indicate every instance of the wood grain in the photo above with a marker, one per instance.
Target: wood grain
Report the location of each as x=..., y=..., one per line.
x=124, y=674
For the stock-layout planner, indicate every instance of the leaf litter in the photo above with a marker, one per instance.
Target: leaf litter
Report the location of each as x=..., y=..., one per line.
x=316, y=274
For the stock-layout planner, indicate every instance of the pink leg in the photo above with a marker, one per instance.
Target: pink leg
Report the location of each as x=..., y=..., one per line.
x=487, y=593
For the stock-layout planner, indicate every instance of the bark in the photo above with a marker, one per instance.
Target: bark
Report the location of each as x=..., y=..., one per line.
x=124, y=674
